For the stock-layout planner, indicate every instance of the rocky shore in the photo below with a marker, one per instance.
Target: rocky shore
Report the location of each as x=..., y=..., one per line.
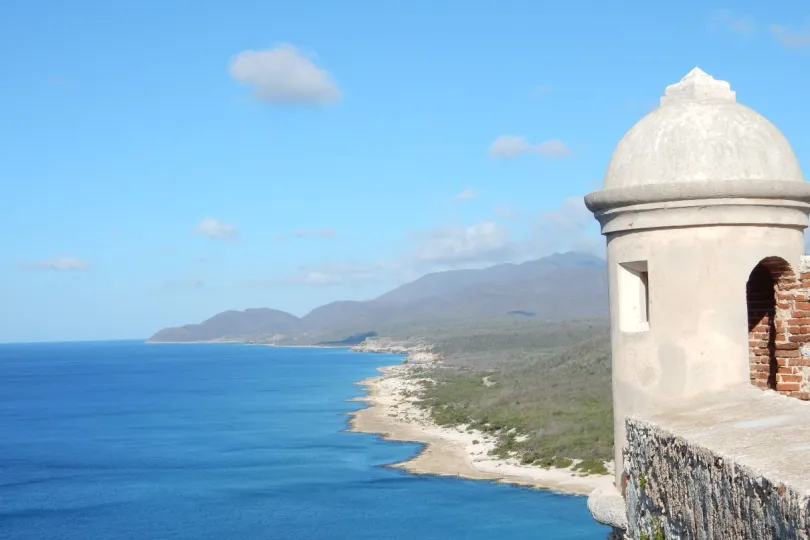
x=416, y=350
x=459, y=451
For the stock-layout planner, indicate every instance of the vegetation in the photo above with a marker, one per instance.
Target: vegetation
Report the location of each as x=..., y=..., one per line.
x=508, y=341
x=543, y=390
x=354, y=339
x=657, y=531
x=591, y=466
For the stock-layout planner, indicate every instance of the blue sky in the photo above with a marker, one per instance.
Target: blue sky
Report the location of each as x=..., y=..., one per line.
x=164, y=161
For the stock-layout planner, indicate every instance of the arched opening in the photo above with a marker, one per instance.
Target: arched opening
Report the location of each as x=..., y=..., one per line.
x=770, y=304
x=760, y=292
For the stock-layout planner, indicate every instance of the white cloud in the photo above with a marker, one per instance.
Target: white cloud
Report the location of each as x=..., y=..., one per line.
x=571, y=226
x=309, y=233
x=553, y=149
x=507, y=211
x=314, y=233
x=434, y=249
x=541, y=90
x=789, y=38
x=568, y=227
x=512, y=146
x=726, y=19
x=509, y=146
x=338, y=274
x=486, y=241
x=215, y=229
x=465, y=194
x=571, y=215
x=315, y=277
x=284, y=76
x=62, y=262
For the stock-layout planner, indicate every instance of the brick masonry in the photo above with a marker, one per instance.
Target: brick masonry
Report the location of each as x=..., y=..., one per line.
x=779, y=327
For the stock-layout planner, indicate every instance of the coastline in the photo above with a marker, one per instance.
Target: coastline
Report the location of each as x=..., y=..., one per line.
x=242, y=342
x=450, y=451
x=211, y=342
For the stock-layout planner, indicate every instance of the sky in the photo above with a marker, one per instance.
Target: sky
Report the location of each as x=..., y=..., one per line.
x=162, y=161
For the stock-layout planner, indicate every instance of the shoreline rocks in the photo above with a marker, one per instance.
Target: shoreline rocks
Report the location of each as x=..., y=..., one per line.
x=416, y=350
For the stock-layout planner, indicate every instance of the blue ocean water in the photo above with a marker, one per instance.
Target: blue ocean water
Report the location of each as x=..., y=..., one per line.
x=123, y=440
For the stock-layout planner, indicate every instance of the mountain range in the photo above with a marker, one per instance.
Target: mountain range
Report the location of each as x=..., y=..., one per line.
x=558, y=287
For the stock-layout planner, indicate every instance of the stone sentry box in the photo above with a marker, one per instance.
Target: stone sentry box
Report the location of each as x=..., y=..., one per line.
x=704, y=208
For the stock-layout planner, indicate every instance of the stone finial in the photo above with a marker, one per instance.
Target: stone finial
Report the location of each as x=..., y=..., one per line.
x=697, y=85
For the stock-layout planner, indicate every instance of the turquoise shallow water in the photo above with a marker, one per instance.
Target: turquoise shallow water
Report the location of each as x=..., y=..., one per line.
x=123, y=440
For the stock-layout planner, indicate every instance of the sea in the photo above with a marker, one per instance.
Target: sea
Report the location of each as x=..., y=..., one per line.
x=133, y=441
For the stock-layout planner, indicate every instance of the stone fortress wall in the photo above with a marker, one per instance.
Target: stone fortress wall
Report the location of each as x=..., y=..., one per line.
x=732, y=466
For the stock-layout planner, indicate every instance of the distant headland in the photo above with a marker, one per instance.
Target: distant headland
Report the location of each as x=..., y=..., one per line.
x=539, y=289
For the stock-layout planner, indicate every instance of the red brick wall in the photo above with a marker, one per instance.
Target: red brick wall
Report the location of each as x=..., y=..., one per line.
x=779, y=326
x=761, y=297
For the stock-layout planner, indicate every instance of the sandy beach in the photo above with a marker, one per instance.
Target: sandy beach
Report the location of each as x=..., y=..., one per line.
x=393, y=414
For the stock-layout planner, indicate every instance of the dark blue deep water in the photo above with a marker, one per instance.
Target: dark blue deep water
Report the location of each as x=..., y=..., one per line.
x=123, y=440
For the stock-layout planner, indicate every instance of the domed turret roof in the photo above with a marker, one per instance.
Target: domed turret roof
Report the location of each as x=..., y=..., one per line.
x=700, y=133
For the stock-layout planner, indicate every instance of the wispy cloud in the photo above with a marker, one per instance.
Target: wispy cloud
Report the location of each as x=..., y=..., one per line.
x=450, y=246
x=434, y=249
x=541, y=90
x=567, y=227
x=507, y=211
x=216, y=230
x=788, y=38
x=60, y=263
x=337, y=273
x=317, y=233
x=284, y=76
x=727, y=20
x=570, y=226
x=511, y=146
x=465, y=195
x=309, y=233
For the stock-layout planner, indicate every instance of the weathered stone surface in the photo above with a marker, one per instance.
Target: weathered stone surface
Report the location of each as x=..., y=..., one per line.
x=608, y=508
x=730, y=466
